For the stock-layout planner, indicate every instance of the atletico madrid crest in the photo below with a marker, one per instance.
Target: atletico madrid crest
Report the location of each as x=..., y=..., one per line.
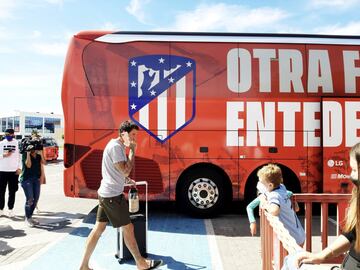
x=162, y=93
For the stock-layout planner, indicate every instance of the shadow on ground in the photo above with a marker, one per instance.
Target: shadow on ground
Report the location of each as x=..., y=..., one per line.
x=5, y=249
x=170, y=262
x=7, y=232
x=232, y=222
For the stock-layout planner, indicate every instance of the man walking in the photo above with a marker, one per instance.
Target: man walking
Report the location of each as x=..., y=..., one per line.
x=113, y=207
x=9, y=170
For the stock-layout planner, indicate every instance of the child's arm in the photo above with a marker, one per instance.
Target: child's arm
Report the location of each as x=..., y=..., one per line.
x=273, y=209
x=253, y=228
x=250, y=209
x=250, y=212
x=296, y=205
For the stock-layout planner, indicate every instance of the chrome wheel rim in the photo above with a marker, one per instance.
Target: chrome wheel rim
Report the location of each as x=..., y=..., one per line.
x=203, y=193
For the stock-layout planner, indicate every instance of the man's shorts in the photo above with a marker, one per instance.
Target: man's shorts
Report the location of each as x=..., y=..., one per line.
x=115, y=210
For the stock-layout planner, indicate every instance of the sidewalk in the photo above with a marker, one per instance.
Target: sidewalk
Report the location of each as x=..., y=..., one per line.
x=222, y=243
x=182, y=242
x=59, y=215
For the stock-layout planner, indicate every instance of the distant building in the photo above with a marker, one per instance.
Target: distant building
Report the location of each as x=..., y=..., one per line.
x=46, y=124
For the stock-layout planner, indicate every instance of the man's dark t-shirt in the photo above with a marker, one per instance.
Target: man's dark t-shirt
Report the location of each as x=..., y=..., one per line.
x=34, y=171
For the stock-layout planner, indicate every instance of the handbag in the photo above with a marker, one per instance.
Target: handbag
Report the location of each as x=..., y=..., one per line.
x=350, y=263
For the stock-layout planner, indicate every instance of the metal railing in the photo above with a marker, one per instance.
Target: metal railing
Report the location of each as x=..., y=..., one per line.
x=276, y=241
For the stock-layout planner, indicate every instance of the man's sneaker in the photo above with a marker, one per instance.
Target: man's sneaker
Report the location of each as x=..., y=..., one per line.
x=34, y=221
x=29, y=222
x=10, y=213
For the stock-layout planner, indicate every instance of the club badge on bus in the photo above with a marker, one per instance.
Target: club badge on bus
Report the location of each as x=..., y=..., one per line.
x=162, y=93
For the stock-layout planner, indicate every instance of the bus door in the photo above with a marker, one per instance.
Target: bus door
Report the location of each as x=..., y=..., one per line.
x=340, y=131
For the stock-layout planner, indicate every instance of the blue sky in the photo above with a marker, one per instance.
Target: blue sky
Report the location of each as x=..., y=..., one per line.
x=34, y=34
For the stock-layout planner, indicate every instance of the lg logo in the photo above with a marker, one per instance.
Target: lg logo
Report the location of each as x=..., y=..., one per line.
x=335, y=163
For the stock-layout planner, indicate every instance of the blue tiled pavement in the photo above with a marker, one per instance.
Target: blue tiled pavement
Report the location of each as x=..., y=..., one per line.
x=180, y=241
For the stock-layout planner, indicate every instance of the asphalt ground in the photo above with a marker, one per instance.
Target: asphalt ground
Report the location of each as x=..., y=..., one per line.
x=182, y=242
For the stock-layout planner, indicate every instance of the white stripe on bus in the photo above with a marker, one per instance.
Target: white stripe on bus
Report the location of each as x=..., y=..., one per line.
x=162, y=115
x=144, y=116
x=180, y=102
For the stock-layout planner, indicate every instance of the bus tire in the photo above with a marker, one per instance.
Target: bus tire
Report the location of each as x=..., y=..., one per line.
x=201, y=192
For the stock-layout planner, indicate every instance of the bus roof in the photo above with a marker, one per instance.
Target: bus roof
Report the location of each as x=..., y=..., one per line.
x=132, y=36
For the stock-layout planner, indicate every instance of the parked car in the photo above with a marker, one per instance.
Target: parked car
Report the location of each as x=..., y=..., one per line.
x=51, y=148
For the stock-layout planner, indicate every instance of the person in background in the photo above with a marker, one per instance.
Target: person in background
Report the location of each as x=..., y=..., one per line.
x=36, y=137
x=256, y=202
x=349, y=240
x=278, y=202
x=32, y=161
x=10, y=168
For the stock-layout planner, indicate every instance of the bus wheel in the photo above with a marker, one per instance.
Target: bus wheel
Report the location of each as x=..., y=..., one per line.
x=201, y=192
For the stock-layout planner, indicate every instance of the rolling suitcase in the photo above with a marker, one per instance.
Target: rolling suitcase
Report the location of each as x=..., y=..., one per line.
x=140, y=222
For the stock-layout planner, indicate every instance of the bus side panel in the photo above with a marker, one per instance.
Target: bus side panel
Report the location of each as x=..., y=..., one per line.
x=190, y=147
x=74, y=84
x=106, y=71
x=328, y=75
x=211, y=61
x=151, y=164
x=313, y=168
x=88, y=165
x=100, y=113
x=327, y=70
x=341, y=126
x=213, y=116
x=68, y=184
x=107, y=65
x=203, y=140
x=151, y=161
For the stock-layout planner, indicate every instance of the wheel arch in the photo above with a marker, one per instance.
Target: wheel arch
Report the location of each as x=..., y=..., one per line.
x=291, y=181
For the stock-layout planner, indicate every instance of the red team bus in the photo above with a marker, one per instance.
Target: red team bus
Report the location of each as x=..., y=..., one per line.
x=212, y=109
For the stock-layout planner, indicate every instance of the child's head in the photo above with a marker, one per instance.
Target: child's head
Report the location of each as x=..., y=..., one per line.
x=270, y=175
